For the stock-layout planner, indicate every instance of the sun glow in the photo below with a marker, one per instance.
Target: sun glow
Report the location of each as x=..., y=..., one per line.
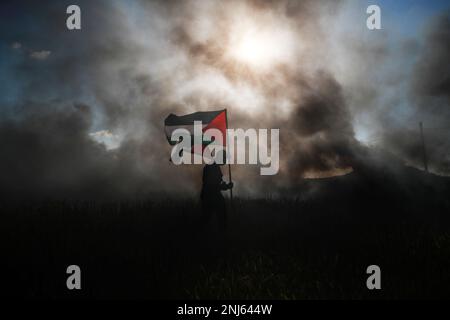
x=260, y=47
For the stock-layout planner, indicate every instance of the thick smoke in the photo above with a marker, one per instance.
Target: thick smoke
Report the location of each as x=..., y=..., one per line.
x=432, y=72
x=133, y=63
x=429, y=97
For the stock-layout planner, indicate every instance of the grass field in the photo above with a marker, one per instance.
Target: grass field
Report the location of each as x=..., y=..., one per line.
x=272, y=249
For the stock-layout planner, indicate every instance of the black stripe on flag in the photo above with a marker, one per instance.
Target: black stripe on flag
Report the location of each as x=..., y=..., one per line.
x=204, y=116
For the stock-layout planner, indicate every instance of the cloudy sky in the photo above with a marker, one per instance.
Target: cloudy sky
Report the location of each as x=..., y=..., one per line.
x=82, y=111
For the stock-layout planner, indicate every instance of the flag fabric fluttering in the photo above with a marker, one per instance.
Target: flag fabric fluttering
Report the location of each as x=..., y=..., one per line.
x=210, y=120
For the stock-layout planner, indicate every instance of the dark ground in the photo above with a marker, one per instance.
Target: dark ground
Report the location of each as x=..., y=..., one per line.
x=308, y=247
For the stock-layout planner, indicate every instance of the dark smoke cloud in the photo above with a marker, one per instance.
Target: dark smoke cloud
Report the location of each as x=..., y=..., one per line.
x=320, y=133
x=432, y=72
x=48, y=154
x=133, y=64
x=429, y=95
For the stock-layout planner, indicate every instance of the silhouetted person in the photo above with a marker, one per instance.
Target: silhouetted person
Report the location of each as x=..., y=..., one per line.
x=211, y=196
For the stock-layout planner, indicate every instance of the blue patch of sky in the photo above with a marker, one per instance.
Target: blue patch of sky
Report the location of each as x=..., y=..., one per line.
x=408, y=16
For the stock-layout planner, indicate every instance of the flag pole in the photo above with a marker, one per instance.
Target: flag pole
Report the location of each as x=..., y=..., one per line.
x=228, y=155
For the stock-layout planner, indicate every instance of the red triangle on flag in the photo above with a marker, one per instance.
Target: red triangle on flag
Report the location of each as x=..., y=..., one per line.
x=220, y=123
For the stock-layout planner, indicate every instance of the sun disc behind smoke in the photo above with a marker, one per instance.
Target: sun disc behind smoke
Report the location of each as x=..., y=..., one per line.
x=260, y=47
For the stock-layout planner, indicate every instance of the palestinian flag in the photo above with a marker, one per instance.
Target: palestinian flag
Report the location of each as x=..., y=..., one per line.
x=209, y=119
